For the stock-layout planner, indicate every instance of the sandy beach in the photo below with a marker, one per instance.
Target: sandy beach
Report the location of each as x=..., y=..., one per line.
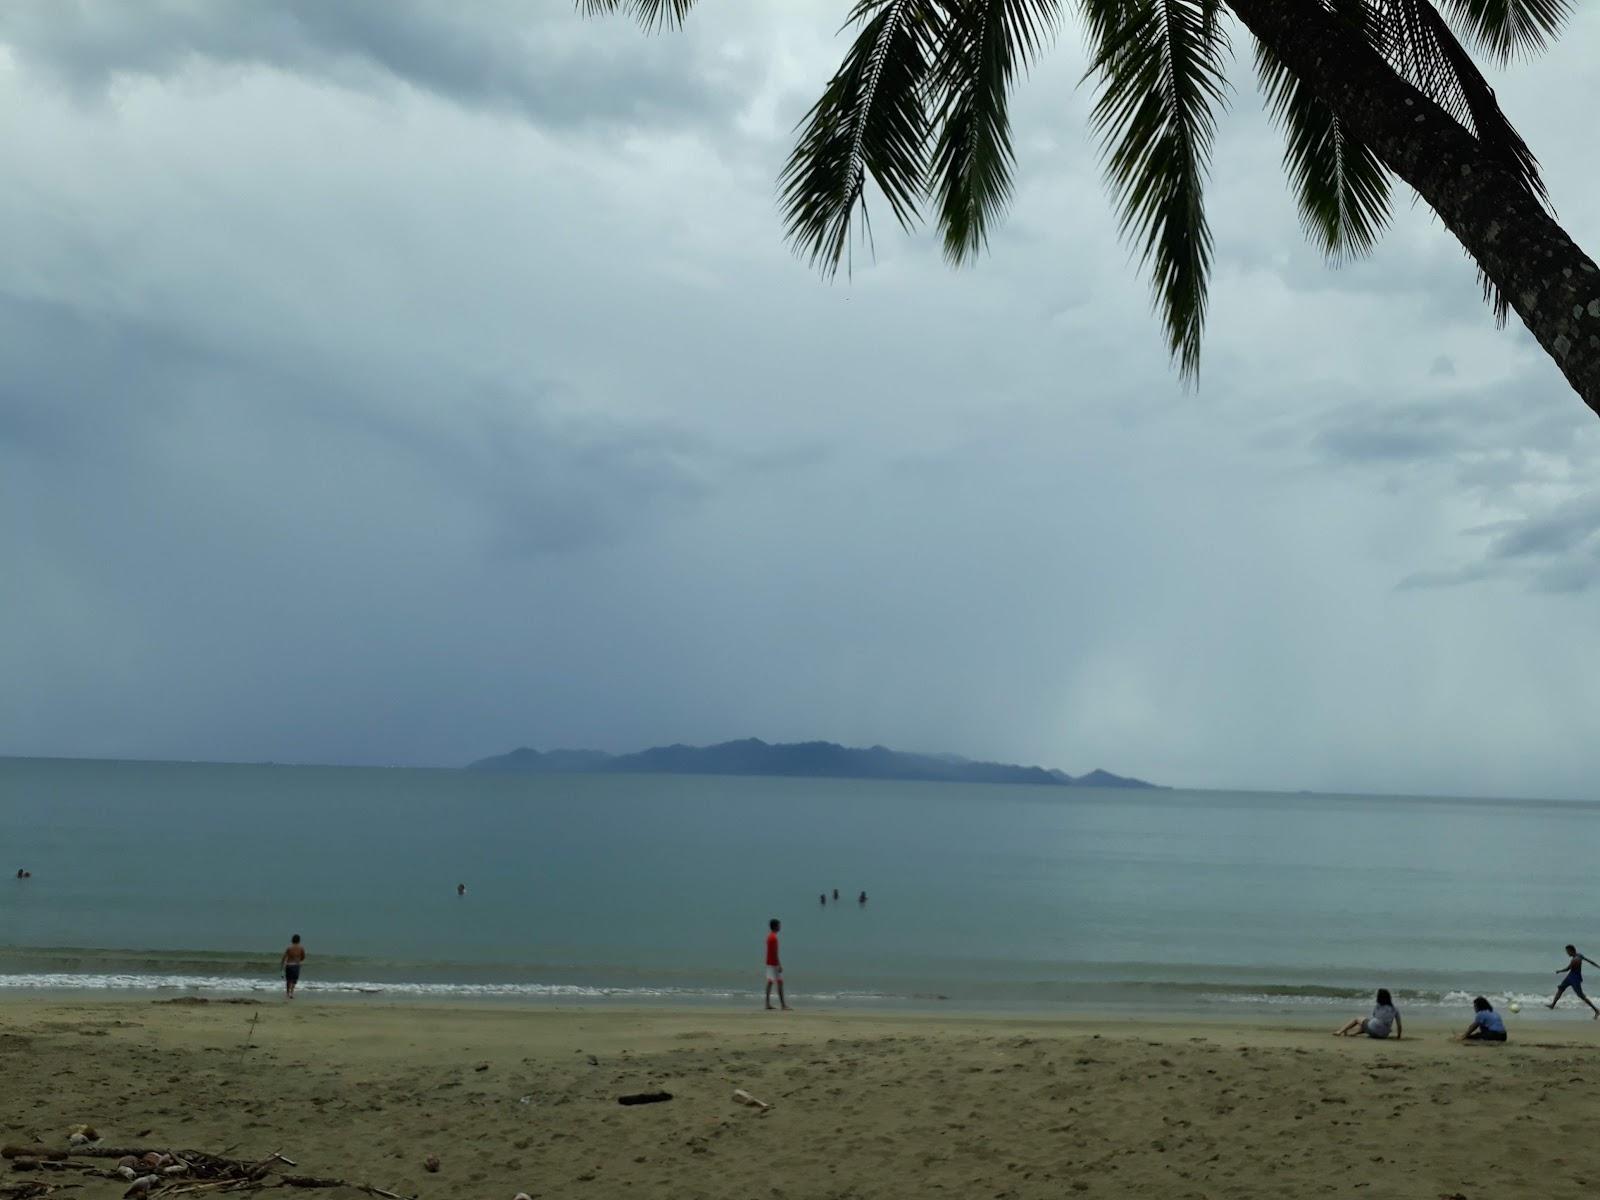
x=862, y=1106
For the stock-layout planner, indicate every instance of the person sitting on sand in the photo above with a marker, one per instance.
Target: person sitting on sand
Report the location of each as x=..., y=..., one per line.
x=1574, y=979
x=1487, y=1025
x=1385, y=1016
x=774, y=964
x=293, y=956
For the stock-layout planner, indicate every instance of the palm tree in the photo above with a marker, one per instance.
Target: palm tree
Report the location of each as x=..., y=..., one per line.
x=1365, y=90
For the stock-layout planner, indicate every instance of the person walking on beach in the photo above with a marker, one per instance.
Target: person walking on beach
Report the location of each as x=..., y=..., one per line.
x=1385, y=1016
x=774, y=964
x=1487, y=1025
x=1574, y=979
x=294, y=954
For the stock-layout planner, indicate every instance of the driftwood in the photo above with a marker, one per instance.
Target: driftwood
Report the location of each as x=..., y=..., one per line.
x=192, y=1172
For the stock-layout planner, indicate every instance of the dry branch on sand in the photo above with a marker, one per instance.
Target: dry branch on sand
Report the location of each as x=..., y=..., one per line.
x=156, y=1174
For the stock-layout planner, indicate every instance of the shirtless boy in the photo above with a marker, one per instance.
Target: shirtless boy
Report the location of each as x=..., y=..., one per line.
x=293, y=956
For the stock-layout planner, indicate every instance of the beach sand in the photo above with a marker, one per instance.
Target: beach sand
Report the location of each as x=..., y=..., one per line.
x=863, y=1105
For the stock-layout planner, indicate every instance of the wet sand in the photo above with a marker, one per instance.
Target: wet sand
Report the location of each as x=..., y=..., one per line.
x=863, y=1105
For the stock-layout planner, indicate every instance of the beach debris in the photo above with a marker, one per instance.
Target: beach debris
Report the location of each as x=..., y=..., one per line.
x=593, y=1061
x=166, y=1175
x=431, y=1163
x=644, y=1098
x=522, y=1196
x=744, y=1097
x=481, y=1067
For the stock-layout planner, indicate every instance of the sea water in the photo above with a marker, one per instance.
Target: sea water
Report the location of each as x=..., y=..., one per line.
x=191, y=877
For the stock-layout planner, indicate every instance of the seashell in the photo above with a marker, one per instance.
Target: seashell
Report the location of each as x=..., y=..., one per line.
x=151, y=1159
x=126, y=1172
x=128, y=1160
x=142, y=1185
x=522, y=1196
x=431, y=1163
x=78, y=1139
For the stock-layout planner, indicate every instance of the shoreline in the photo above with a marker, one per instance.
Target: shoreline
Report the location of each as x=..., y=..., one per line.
x=1143, y=1002
x=882, y=1104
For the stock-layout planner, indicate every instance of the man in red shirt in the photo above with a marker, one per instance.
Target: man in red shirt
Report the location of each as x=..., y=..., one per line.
x=774, y=965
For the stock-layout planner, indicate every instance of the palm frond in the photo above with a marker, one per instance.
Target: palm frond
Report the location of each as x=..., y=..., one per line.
x=1161, y=68
x=1342, y=185
x=1509, y=29
x=1420, y=45
x=982, y=45
x=870, y=120
x=652, y=14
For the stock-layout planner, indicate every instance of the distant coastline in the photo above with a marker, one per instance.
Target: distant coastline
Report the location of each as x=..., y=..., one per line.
x=820, y=760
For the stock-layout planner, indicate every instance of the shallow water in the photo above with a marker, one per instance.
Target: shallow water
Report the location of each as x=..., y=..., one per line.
x=981, y=897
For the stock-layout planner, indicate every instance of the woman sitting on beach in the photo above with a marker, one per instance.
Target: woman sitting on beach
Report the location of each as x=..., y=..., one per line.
x=1487, y=1025
x=1385, y=1016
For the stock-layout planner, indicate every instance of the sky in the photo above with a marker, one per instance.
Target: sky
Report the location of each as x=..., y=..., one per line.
x=391, y=382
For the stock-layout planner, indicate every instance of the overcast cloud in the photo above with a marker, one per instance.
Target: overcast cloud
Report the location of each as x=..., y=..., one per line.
x=396, y=382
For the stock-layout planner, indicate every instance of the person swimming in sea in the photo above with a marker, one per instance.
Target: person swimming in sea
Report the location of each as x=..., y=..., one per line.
x=461, y=889
x=1574, y=979
x=1487, y=1025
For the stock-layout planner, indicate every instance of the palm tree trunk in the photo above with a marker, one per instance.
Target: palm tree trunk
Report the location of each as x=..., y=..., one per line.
x=1553, y=285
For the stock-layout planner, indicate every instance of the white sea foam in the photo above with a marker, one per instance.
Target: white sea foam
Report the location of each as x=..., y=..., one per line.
x=234, y=986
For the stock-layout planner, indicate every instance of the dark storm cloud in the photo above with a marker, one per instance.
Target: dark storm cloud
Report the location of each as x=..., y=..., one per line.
x=538, y=60
x=88, y=385
x=1554, y=551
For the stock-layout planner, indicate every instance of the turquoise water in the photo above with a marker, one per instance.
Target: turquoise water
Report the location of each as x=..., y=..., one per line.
x=981, y=897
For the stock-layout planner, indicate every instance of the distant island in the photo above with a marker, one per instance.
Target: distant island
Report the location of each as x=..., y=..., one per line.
x=823, y=760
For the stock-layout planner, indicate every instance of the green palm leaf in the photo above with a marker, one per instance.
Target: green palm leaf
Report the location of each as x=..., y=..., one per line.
x=870, y=120
x=652, y=14
x=1509, y=28
x=1160, y=63
x=982, y=45
x=1342, y=186
x=1421, y=46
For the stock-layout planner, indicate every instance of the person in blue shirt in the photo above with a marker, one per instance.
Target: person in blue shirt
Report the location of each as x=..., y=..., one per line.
x=1487, y=1025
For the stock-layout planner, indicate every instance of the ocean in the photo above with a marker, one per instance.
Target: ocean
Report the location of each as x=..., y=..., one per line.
x=175, y=877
